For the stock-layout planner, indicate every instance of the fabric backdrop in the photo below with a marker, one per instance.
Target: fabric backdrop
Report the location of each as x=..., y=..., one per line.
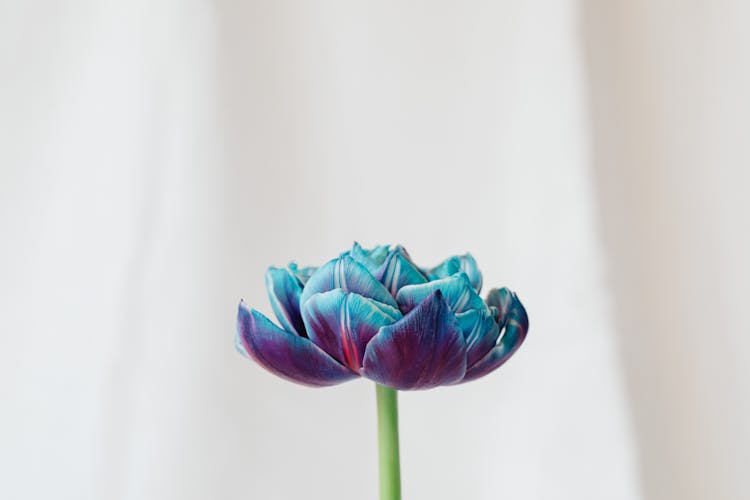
x=155, y=157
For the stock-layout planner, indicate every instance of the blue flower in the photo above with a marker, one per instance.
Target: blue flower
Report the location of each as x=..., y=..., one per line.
x=375, y=314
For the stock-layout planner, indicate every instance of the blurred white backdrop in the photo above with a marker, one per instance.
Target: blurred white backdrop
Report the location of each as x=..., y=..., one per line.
x=157, y=156
x=671, y=110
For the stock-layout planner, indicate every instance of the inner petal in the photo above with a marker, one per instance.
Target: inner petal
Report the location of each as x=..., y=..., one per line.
x=456, y=289
x=343, y=323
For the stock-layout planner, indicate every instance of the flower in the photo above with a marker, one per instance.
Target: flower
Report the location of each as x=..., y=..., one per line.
x=375, y=314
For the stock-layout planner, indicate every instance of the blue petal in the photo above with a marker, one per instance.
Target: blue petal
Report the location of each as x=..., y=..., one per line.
x=371, y=259
x=480, y=333
x=424, y=349
x=302, y=273
x=398, y=270
x=458, y=263
x=350, y=276
x=500, y=299
x=495, y=312
x=515, y=323
x=284, y=354
x=343, y=323
x=456, y=289
x=448, y=267
x=284, y=290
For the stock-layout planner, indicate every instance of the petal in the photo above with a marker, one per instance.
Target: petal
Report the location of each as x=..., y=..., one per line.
x=456, y=289
x=284, y=290
x=424, y=349
x=470, y=267
x=480, y=333
x=349, y=275
x=302, y=273
x=285, y=354
x=495, y=313
x=398, y=270
x=343, y=323
x=448, y=267
x=500, y=299
x=458, y=263
x=371, y=259
x=516, y=325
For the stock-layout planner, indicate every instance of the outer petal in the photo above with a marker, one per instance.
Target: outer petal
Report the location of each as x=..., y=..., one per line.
x=516, y=324
x=285, y=354
x=501, y=300
x=343, y=323
x=349, y=275
x=284, y=290
x=456, y=289
x=398, y=270
x=458, y=263
x=480, y=333
x=423, y=350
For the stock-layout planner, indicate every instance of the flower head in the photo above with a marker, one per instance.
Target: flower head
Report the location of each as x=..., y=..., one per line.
x=375, y=314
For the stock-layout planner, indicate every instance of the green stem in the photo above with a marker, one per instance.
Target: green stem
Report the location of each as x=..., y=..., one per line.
x=390, y=470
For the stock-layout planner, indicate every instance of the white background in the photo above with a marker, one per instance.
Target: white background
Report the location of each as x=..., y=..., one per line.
x=155, y=157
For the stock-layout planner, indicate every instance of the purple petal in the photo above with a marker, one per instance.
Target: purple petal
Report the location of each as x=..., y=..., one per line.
x=424, y=349
x=480, y=333
x=284, y=290
x=349, y=275
x=456, y=289
x=398, y=271
x=285, y=354
x=343, y=323
x=516, y=325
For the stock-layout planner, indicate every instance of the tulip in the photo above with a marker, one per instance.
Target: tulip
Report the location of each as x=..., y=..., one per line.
x=374, y=313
